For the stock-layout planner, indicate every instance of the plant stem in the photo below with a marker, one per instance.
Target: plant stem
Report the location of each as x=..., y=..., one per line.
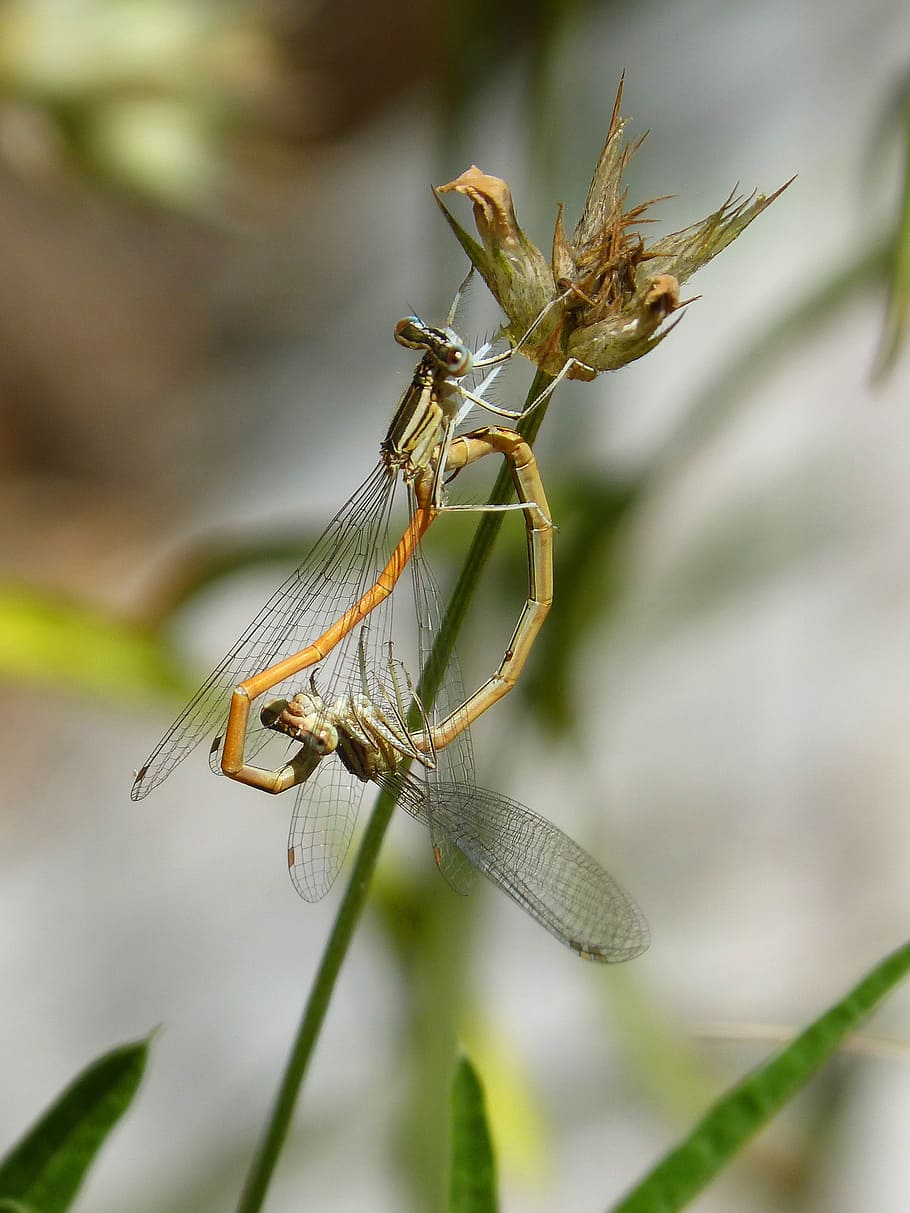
x=355, y=895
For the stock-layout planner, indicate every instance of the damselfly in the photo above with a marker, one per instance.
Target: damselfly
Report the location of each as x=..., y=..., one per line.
x=350, y=573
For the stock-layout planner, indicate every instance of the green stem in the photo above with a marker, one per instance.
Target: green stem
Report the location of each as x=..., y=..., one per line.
x=355, y=895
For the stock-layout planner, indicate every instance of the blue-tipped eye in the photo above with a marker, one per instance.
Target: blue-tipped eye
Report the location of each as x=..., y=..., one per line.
x=409, y=332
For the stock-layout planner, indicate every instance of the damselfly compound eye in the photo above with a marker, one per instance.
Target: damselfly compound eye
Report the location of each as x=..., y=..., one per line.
x=324, y=739
x=458, y=359
x=407, y=332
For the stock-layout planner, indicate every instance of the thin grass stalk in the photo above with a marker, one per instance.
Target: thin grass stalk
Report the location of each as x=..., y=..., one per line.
x=278, y=1124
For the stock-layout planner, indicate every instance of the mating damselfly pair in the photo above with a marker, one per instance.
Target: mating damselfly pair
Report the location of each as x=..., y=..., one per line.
x=322, y=649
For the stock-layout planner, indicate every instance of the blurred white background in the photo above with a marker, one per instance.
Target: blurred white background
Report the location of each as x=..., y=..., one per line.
x=219, y=359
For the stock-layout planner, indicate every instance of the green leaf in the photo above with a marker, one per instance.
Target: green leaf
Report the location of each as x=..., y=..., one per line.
x=898, y=315
x=473, y=1179
x=66, y=645
x=722, y=1133
x=46, y=1168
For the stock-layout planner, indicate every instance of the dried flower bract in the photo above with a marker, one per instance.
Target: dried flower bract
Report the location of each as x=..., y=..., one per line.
x=600, y=300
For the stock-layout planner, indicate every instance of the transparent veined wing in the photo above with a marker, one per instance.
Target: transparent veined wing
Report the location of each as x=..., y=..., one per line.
x=341, y=565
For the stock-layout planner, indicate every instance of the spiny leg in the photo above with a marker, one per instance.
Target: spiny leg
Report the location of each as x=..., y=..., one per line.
x=516, y=415
x=462, y=287
x=496, y=362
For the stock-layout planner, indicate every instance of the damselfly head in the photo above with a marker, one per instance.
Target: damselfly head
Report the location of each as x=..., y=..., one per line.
x=303, y=718
x=451, y=355
x=272, y=712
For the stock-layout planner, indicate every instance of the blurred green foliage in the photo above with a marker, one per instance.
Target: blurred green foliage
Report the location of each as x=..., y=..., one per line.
x=53, y=642
x=897, y=316
x=145, y=95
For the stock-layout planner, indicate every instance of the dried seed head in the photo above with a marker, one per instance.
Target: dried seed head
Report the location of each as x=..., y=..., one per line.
x=602, y=298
